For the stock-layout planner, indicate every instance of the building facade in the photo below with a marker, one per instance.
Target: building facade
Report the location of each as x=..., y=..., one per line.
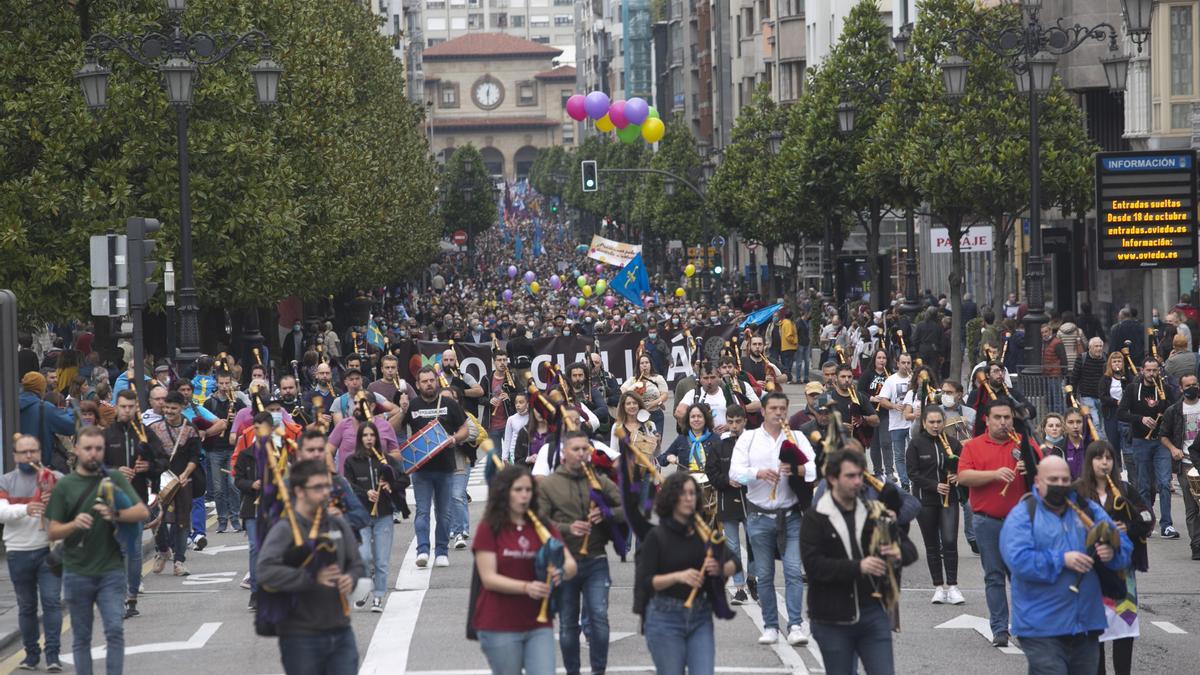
x=503, y=94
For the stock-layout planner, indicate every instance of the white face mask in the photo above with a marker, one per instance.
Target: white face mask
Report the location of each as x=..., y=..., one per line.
x=947, y=401
x=277, y=418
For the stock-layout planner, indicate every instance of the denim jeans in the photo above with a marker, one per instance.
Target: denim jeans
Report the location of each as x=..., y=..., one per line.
x=460, y=517
x=1154, y=468
x=882, y=463
x=787, y=363
x=507, y=653
x=252, y=537
x=899, y=448
x=870, y=639
x=172, y=538
x=968, y=520
x=328, y=653
x=763, y=535
x=680, y=638
x=226, y=496
x=107, y=593
x=733, y=541
x=939, y=529
x=987, y=538
x=1093, y=406
x=1064, y=655
x=133, y=562
x=590, y=585
x=199, y=517
x=1112, y=432
x=432, y=489
x=32, y=579
x=376, y=550
x=801, y=366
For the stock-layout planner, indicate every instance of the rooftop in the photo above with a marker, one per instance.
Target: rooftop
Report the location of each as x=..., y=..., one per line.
x=559, y=73
x=492, y=45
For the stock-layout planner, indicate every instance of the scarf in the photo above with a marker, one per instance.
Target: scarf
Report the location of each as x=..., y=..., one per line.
x=696, y=455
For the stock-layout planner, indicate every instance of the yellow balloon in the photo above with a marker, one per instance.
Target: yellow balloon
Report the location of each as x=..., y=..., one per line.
x=535, y=287
x=679, y=292
x=689, y=270
x=604, y=124
x=652, y=130
x=587, y=291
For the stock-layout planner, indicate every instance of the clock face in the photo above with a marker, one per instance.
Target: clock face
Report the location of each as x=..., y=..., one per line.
x=488, y=93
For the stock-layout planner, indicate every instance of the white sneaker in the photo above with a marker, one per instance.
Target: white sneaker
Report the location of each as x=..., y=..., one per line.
x=460, y=542
x=422, y=559
x=954, y=596
x=246, y=581
x=939, y=596
x=441, y=561
x=798, y=635
x=769, y=636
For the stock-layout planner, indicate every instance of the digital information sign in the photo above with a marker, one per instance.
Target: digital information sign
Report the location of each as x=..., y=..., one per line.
x=1146, y=209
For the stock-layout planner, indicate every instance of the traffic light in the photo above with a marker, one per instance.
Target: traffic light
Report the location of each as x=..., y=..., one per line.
x=591, y=175
x=140, y=258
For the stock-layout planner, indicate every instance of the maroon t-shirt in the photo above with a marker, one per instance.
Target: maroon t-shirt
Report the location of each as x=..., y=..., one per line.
x=515, y=548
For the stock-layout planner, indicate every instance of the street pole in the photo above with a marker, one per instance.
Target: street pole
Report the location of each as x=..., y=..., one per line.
x=189, y=312
x=1035, y=277
x=910, y=306
x=827, y=269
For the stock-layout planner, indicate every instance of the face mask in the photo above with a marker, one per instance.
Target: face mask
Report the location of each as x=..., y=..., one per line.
x=653, y=336
x=1056, y=495
x=26, y=467
x=1191, y=393
x=1053, y=439
x=277, y=418
x=478, y=328
x=947, y=401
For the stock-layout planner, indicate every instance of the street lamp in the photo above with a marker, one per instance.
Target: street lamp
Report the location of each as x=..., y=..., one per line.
x=176, y=56
x=1032, y=50
x=902, y=40
x=846, y=112
x=169, y=289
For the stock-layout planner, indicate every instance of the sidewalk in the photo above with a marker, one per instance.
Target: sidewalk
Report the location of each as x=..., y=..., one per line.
x=9, y=631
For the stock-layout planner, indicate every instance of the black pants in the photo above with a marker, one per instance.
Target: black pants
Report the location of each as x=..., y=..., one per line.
x=1191, y=510
x=1122, y=656
x=939, y=529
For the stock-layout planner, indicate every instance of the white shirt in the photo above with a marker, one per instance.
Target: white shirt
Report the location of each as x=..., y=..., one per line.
x=894, y=389
x=715, y=402
x=756, y=450
x=512, y=427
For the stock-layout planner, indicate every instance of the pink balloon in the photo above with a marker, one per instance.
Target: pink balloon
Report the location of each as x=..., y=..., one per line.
x=616, y=113
x=575, y=108
x=599, y=268
x=609, y=301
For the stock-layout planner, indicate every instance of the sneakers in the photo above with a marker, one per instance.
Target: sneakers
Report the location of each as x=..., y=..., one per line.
x=396, y=519
x=160, y=562
x=769, y=636
x=201, y=542
x=974, y=547
x=422, y=559
x=245, y=581
x=181, y=570
x=798, y=635
x=222, y=528
x=939, y=596
x=460, y=542
x=738, y=598
x=377, y=605
x=28, y=663
x=954, y=596
x=752, y=587
x=1000, y=640
x=441, y=561
x=252, y=606
x=236, y=526
x=52, y=665
x=131, y=609
x=1169, y=532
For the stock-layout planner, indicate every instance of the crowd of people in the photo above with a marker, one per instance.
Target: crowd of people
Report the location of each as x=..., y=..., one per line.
x=315, y=456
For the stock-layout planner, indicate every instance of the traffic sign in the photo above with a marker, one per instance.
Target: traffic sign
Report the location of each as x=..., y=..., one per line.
x=108, y=261
x=459, y=238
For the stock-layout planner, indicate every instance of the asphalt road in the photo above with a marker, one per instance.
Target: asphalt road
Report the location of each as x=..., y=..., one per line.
x=199, y=624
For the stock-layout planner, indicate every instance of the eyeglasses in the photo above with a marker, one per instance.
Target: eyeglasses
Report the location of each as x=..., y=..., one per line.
x=27, y=451
x=320, y=487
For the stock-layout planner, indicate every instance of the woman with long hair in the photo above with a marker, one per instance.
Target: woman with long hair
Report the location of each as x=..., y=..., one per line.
x=651, y=387
x=871, y=382
x=1097, y=483
x=373, y=481
x=1075, y=441
x=1051, y=431
x=921, y=387
x=933, y=468
x=504, y=612
x=690, y=450
x=674, y=562
x=1112, y=385
x=628, y=425
x=531, y=438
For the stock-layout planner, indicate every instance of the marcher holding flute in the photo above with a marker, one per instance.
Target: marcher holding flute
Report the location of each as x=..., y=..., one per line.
x=933, y=469
x=1143, y=405
x=374, y=481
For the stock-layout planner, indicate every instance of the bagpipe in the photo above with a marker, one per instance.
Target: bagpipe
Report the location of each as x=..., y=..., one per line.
x=1112, y=582
x=319, y=549
x=949, y=466
x=44, y=482
x=791, y=454
x=712, y=534
x=616, y=532
x=638, y=479
x=1084, y=411
x=1023, y=451
x=115, y=500
x=551, y=557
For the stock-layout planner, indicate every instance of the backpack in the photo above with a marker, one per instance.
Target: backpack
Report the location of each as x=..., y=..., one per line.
x=1112, y=583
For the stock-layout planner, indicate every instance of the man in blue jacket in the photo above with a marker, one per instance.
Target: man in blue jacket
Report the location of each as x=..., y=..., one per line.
x=1043, y=544
x=43, y=419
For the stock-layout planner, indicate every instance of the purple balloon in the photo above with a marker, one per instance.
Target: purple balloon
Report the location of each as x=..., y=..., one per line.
x=512, y=271
x=599, y=268
x=575, y=108
x=530, y=276
x=596, y=104
x=636, y=110
x=616, y=113
x=555, y=282
x=507, y=295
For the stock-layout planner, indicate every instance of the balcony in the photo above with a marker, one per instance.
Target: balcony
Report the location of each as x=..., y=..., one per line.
x=676, y=11
x=676, y=57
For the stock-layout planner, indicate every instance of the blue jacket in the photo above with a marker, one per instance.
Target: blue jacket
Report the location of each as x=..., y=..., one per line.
x=1043, y=604
x=54, y=420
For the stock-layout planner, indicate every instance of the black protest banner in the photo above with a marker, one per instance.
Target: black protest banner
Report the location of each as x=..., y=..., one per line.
x=617, y=352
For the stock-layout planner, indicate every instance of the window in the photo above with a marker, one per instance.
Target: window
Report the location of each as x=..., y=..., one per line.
x=435, y=4
x=475, y=3
x=436, y=23
x=383, y=6
x=458, y=23
x=791, y=8
x=563, y=3
x=622, y=80
x=791, y=77
x=432, y=42
x=517, y=20
x=563, y=20
x=541, y=39
x=568, y=132
x=566, y=94
x=458, y=3
x=449, y=95
x=526, y=93
x=475, y=21
x=1183, y=50
x=539, y=3
x=539, y=21
x=500, y=20
x=397, y=34
x=1181, y=116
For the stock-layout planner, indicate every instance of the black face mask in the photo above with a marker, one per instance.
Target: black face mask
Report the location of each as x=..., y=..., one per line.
x=1191, y=393
x=1056, y=495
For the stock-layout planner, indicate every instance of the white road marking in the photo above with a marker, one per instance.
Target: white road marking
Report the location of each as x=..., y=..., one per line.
x=1169, y=627
x=621, y=669
x=209, y=578
x=979, y=625
x=197, y=641
x=388, y=650
x=788, y=656
x=224, y=548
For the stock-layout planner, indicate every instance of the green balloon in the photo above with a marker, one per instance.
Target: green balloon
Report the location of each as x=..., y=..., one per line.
x=630, y=133
x=653, y=113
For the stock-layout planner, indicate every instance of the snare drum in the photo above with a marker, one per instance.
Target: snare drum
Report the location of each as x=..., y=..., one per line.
x=707, y=499
x=424, y=446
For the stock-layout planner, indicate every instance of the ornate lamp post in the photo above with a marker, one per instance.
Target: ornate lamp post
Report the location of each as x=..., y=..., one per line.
x=1031, y=50
x=177, y=56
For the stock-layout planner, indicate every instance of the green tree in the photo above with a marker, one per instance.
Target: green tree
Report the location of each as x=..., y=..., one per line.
x=550, y=170
x=338, y=162
x=614, y=198
x=675, y=212
x=467, y=199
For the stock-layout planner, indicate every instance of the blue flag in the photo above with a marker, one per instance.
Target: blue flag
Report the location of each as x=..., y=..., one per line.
x=374, y=335
x=631, y=282
x=761, y=316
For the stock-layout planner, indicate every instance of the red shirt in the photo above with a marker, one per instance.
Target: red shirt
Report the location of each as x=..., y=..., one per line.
x=982, y=453
x=515, y=550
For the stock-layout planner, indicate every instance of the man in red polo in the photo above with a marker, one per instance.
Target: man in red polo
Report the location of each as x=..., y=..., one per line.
x=988, y=467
